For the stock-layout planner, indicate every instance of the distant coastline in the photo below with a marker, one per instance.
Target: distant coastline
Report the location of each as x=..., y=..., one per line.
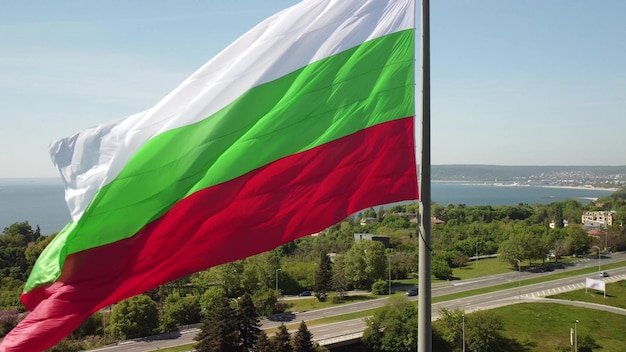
x=496, y=184
x=591, y=188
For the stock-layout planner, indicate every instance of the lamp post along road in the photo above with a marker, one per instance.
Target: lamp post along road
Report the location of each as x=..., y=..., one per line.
x=519, y=279
x=463, y=323
x=277, y=270
x=576, y=336
x=389, y=270
x=477, y=254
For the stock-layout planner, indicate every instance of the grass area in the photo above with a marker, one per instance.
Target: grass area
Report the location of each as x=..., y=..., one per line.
x=484, y=267
x=547, y=326
x=615, y=295
x=311, y=303
x=536, y=280
x=494, y=266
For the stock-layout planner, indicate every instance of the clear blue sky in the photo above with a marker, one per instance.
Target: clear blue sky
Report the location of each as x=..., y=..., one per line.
x=519, y=82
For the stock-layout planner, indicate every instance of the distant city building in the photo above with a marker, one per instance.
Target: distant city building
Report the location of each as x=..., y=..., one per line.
x=597, y=219
x=358, y=237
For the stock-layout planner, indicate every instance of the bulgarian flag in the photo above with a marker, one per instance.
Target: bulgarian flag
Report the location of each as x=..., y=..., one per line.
x=301, y=122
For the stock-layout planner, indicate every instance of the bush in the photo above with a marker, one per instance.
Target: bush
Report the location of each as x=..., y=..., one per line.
x=380, y=287
x=335, y=299
x=281, y=307
x=8, y=320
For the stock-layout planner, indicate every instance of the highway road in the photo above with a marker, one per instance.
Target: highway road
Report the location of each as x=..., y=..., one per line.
x=354, y=327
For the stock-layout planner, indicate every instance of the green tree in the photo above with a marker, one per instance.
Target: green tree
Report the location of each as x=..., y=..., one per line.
x=281, y=342
x=339, y=279
x=248, y=322
x=558, y=215
x=402, y=263
x=179, y=311
x=264, y=300
x=260, y=271
x=135, y=317
x=302, y=339
x=365, y=263
x=586, y=343
x=13, y=243
x=460, y=260
x=210, y=298
x=323, y=277
x=263, y=343
x=35, y=248
x=218, y=331
x=483, y=332
x=519, y=245
x=91, y=326
x=449, y=327
x=24, y=232
x=579, y=241
x=440, y=268
x=393, y=328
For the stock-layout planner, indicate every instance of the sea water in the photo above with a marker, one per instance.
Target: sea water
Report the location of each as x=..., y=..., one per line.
x=41, y=201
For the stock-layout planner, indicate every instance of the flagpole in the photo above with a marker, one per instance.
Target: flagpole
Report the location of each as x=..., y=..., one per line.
x=424, y=335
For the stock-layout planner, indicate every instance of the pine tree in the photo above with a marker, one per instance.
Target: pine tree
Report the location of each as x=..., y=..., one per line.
x=302, y=339
x=323, y=277
x=339, y=280
x=218, y=332
x=249, y=325
x=282, y=340
x=263, y=343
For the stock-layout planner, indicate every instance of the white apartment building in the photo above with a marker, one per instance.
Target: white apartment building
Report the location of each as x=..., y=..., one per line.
x=598, y=218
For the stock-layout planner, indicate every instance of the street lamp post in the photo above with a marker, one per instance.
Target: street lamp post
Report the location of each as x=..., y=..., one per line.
x=389, y=270
x=277, y=270
x=519, y=279
x=576, y=336
x=477, y=254
x=463, y=323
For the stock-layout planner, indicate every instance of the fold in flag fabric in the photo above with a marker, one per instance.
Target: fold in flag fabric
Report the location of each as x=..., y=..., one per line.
x=301, y=122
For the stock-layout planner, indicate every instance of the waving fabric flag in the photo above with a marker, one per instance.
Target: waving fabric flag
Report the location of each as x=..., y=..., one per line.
x=304, y=120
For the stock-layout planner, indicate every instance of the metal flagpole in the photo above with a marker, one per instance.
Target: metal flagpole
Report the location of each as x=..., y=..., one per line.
x=424, y=335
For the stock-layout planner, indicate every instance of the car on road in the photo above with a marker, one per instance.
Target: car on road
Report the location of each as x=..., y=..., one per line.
x=305, y=293
x=603, y=274
x=412, y=292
